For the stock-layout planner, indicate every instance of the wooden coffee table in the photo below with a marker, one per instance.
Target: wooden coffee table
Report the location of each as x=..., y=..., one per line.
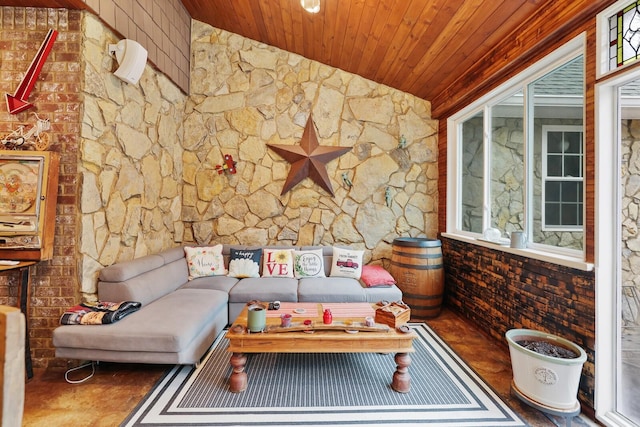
x=318, y=338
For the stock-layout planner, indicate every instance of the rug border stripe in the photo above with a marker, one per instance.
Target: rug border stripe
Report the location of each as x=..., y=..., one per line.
x=486, y=411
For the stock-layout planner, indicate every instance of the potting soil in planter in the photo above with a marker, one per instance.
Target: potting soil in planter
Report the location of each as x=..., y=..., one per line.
x=548, y=349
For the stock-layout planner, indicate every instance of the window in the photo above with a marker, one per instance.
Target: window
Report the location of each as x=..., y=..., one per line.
x=562, y=178
x=618, y=36
x=516, y=157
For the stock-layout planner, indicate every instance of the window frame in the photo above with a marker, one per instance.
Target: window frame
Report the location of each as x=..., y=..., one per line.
x=602, y=46
x=545, y=176
x=563, y=256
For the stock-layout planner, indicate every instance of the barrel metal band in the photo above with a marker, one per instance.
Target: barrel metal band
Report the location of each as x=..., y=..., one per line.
x=422, y=256
x=422, y=297
x=417, y=267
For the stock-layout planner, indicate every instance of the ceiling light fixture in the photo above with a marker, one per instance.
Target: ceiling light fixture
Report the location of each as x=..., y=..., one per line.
x=311, y=6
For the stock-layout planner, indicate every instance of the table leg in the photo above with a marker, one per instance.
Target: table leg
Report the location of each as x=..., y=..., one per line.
x=238, y=378
x=401, y=378
x=24, y=308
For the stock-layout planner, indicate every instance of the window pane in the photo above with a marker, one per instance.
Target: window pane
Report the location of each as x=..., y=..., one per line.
x=570, y=192
x=554, y=142
x=507, y=164
x=569, y=214
x=572, y=166
x=573, y=142
x=472, y=173
x=553, y=191
x=554, y=165
x=552, y=213
x=557, y=103
x=624, y=35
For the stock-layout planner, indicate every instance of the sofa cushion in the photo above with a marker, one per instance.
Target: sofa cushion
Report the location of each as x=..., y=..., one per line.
x=166, y=325
x=346, y=263
x=332, y=289
x=125, y=270
x=277, y=263
x=265, y=289
x=145, y=287
x=383, y=293
x=376, y=275
x=218, y=283
x=327, y=255
x=308, y=263
x=244, y=262
x=204, y=261
x=173, y=254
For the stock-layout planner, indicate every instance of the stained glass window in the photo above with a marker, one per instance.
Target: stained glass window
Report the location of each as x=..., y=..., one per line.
x=624, y=36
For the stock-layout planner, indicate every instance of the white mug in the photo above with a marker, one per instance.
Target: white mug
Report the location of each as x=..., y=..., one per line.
x=518, y=239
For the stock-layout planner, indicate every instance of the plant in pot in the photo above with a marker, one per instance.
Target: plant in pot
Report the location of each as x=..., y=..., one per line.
x=546, y=368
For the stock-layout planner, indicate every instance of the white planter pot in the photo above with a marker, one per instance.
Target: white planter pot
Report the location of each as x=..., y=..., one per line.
x=548, y=380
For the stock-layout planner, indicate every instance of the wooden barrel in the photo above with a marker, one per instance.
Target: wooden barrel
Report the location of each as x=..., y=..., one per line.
x=416, y=264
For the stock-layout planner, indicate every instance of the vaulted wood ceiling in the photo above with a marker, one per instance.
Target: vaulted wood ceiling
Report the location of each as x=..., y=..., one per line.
x=417, y=46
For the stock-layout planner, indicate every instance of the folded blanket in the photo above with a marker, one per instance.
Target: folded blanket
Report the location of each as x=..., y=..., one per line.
x=98, y=313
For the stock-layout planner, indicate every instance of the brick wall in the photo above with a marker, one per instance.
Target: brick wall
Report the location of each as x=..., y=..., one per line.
x=499, y=291
x=54, y=283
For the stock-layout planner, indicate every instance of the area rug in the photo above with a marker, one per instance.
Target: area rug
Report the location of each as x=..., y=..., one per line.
x=326, y=390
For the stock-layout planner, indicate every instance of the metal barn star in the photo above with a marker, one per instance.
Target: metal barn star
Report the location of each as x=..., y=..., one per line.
x=309, y=159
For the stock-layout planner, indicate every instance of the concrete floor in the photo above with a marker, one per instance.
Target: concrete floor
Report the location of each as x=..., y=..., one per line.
x=115, y=390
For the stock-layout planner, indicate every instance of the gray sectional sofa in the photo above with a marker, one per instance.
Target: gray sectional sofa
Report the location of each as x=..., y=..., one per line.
x=180, y=318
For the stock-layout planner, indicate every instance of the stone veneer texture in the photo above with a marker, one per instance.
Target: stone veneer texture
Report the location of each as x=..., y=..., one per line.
x=499, y=291
x=245, y=95
x=131, y=161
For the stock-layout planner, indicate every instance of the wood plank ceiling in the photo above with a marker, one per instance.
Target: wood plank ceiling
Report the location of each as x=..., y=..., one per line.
x=417, y=46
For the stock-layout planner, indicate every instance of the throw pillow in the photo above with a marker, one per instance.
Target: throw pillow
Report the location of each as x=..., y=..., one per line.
x=346, y=263
x=376, y=275
x=308, y=263
x=277, y=263
x=204, y=261
x=244, y=262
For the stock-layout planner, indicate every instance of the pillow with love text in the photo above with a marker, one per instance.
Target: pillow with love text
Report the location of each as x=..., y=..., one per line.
x=277, y=263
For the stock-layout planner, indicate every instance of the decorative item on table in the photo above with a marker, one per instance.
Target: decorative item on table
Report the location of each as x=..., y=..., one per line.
x=256, y=317
x=309, y=326
x=369, y=321
x=285, y=320
x=228, y=166
x=274, y=305
x=327, y=317
x=393, y=314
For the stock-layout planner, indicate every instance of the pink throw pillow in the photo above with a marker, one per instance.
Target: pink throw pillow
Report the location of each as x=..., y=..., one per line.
x=376, y=275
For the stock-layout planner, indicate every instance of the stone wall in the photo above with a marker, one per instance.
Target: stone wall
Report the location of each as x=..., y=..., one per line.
x=630, y=178
x=245, y=95
x=130, y=161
